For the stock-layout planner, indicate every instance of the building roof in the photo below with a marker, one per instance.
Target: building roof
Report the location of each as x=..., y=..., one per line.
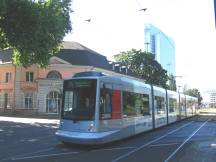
x=72, y=52
x=77, y=54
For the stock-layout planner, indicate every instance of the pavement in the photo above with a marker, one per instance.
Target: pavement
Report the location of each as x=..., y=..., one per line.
x=30, y=115
x=29, y=120
x=207, y=111
x=33, y=140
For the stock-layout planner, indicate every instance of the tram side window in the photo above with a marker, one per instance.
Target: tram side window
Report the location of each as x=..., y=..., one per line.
x=191, y=104
x=188, y=104
x=135, y=104
x=194, y=105
x=105, y=103
x=172, y=104
x=145, y=101
x=159, y=104
x=182, y=104
x=129, y=104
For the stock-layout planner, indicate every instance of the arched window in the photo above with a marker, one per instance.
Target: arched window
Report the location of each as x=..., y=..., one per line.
x=54, y=75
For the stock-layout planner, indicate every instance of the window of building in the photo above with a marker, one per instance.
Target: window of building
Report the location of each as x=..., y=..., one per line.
x=153, y=44
x=53, y=102
x=159, y=104
x=28, y=99
x=172, y=104
x=29, y=76
x=8, y=77
x=135, y=104
x=7, y=101
x=54, y=75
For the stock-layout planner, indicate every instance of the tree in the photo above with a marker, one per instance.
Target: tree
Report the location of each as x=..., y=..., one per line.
x=172, y=83
x=144, y=66
x=195, y=93
x=33, y=28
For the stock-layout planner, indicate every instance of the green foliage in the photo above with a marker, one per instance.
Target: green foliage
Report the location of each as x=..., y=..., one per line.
x=144, y=66
x=195, y=93
x=172, y=83
x=33, y=28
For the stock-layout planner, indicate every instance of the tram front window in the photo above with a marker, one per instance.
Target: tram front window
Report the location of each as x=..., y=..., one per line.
x=79, y=99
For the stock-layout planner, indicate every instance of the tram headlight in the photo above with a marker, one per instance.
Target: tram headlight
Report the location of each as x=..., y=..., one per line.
x=91, y=127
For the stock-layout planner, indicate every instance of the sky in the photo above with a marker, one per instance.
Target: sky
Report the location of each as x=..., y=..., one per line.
x=118, y=25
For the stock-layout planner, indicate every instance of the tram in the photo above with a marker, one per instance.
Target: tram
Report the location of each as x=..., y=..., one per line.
x=99, y=108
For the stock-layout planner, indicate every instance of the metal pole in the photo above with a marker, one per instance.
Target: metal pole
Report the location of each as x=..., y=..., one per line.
x=153, y=107
x=147, y=44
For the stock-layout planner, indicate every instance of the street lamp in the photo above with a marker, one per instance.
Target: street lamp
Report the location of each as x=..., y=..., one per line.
x=147, y=43
x=147, y=46
x=179, y=88
x=178, y=76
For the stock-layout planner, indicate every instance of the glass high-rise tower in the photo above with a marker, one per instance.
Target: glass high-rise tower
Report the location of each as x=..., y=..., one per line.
x=162, y=46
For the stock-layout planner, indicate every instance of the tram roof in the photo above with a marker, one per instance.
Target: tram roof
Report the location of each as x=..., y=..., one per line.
x=110, y=77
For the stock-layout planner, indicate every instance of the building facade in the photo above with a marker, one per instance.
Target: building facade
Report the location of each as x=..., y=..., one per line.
x=39, y=90
x=212, y=98
x=162, y=46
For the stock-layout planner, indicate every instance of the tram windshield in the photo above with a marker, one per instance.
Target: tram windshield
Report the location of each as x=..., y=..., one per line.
x=79, y=98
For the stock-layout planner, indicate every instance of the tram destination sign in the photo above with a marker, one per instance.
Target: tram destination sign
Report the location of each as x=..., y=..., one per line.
x=71, y=84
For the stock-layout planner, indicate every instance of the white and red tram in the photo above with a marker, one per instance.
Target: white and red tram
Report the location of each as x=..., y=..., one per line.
x=98, y=108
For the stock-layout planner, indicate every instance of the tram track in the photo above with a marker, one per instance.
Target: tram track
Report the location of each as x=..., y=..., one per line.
x=165, y=144
x=109, y=149
x=35, y=155
x=185, y=141
x=155, y=142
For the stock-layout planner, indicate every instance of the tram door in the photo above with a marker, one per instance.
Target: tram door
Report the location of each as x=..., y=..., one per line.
x=110, y=107
x=116, y=104
x=110, y=104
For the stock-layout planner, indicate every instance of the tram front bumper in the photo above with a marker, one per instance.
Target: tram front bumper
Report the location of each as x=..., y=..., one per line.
x=89, y=138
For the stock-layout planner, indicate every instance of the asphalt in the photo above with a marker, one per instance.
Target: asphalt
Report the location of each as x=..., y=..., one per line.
x=191, y=140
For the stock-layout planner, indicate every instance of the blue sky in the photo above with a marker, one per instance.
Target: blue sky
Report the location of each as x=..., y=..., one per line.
x=118, y=25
